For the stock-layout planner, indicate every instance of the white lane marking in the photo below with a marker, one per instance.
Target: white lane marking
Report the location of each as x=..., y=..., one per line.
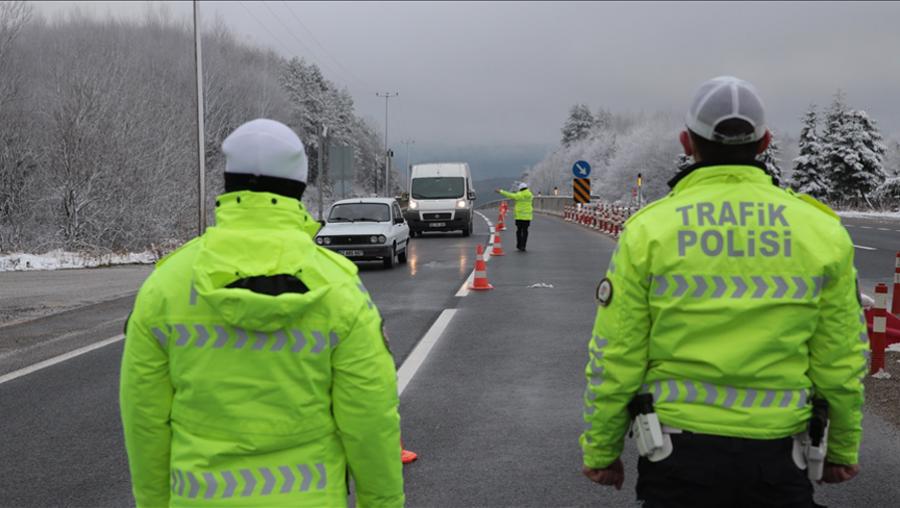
x=863, y=247
x=420, y=352
x=865, y=227
x=59, y=359
x=849, y=226
x=882, y=229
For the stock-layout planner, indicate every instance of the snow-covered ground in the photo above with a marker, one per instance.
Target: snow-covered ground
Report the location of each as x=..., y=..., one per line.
x=59, y=259
x=868, y=215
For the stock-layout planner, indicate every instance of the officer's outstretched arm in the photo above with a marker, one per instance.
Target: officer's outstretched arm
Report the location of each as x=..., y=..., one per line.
x=507, y=194
x=364, y=397
x=837, y=362
x=145, y=398
x=618, y=352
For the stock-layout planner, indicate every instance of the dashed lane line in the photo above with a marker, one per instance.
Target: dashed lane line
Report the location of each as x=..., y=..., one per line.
x=863, y=247
x=464, y=289
x=59, y=359
x=415, y=359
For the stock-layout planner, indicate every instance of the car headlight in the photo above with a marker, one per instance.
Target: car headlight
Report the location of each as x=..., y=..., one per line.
x=381, y=239
x=327, y=240
x=319, y=240
x=373, y=239
x=413, y=205
x=461, y=203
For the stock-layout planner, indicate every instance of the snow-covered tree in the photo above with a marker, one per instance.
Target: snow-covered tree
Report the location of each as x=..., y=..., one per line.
x=853, y=153
x=810, y=175
x=579, y=124
x=892, y=158
x=770, y=158
x=887, y=195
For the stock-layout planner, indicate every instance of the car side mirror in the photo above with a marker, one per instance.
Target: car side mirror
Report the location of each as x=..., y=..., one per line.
x=321, y=222
x=399, y=220
x=472, y=196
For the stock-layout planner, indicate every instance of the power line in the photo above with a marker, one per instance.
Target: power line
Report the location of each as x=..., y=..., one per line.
x=302, y=44
x=266, y=28
x=324, y=50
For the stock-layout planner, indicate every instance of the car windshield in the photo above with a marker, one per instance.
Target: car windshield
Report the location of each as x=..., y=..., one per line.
x=438, y=187
x=360, y=212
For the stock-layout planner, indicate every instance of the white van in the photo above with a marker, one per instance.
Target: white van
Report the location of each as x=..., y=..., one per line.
x=441, y=198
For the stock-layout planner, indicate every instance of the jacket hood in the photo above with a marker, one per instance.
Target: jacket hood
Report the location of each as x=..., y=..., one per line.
x=257, y=234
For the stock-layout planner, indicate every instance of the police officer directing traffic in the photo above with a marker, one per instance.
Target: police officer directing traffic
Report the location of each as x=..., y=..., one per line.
x=728, y=326
x=255, y=372
x=523, y=212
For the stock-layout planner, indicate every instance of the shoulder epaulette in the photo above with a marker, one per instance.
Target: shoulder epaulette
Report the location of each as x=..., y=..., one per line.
x=345, y=264
x=649, y=206
x=822, y=207
x=187, y=244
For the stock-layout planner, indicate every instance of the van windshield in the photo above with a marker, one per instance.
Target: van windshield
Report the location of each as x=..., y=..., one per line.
x=438, y=187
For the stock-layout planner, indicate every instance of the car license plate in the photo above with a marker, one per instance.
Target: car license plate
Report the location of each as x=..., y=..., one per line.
x=438, y=224
x=351, y=253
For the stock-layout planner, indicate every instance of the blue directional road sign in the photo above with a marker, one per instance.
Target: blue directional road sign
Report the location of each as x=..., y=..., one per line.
x=581, y=169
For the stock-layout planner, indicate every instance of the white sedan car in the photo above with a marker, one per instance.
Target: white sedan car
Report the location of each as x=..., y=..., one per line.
x=364, y=229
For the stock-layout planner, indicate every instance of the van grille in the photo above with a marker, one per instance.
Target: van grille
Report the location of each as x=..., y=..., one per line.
x=436, y=216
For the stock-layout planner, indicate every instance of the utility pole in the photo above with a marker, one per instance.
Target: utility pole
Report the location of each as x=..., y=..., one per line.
x=201, y=142
x=387, y=174
x=320, y=178
x=407, y=142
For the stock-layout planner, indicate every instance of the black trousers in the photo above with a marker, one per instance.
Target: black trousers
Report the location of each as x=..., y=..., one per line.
x=522, y=233
x=716, y=472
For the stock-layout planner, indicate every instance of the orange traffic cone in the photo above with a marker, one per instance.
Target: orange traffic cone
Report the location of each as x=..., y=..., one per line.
x=407, y=456
x=500, y=225
x=480, y=282
x=498, y=248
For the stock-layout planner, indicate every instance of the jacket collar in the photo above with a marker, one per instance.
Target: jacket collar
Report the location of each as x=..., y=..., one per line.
x=700, y=170
x=263, y=210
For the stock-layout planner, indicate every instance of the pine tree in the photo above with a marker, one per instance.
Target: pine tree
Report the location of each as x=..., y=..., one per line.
x=810, y=176
x=579, y=124
x=770, y=158
x=853, y=153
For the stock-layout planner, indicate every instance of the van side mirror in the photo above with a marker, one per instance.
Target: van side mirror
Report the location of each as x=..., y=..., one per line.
x=472, y=195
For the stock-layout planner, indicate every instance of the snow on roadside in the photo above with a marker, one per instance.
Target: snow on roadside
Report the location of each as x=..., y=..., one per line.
x=851, y=214
x=59, y=259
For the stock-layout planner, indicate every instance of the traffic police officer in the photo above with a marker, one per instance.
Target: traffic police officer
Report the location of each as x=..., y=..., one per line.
x=733, y=303
x=255, y=372
x=523, y=212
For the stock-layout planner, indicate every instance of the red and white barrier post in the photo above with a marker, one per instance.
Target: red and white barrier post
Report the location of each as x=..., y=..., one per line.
x=878, y=338
x=895, y=298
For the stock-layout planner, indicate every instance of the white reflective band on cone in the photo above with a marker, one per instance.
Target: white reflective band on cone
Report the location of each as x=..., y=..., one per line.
x=879, y=324
x=881, y=300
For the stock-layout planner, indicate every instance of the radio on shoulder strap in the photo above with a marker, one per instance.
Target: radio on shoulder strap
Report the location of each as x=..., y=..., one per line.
x=652, y=442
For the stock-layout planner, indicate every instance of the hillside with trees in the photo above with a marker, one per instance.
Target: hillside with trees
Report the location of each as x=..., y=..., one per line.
x=98, y=144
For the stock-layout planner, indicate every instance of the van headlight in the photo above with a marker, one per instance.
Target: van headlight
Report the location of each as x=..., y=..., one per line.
x=413, y=205
x=461, y=203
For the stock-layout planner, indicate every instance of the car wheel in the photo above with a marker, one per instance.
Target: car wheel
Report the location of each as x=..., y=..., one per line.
x=389, y=261
x=402, y=256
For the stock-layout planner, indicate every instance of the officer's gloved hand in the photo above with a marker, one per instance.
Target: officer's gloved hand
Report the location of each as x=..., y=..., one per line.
x=837, y=473
x=613, y=474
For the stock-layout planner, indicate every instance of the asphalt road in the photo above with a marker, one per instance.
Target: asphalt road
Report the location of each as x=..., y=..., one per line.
x=494, y=410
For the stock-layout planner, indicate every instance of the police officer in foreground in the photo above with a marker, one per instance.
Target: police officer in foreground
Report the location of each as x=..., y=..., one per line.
x=255, y=372
x=523, y=212
x=729, y=322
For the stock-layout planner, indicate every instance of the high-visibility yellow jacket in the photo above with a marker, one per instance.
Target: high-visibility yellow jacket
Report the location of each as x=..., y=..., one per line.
x=732, y=302
x=231, y=397
x=523, y=203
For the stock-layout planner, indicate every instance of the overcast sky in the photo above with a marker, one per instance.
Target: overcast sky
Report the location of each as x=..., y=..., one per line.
x=507, y=72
